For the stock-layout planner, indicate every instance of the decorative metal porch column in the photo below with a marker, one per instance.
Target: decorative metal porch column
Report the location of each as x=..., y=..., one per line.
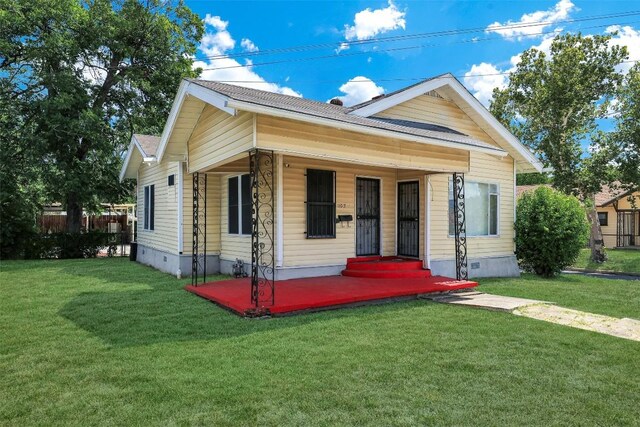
x=460, y=227
x=263, y=228
x=199, y=248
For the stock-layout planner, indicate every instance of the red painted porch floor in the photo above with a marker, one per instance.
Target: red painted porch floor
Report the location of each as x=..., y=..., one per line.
x=316, y=293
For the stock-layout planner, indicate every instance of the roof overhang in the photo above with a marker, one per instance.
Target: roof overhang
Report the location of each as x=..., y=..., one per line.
x=185, y=90
x=516, y=148
x=133, y=159
x=277, y=112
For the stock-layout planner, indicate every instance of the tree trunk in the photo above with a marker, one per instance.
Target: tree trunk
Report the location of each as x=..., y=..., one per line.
x=74, y=214
x=597, y=243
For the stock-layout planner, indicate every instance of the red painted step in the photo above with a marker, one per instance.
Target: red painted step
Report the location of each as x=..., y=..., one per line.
x=385, y=267
x=389, y=274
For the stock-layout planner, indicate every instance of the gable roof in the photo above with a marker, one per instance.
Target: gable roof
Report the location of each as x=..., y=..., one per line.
x=231, y=99
x=468, y=103
x=246, y=97
x=142, y=148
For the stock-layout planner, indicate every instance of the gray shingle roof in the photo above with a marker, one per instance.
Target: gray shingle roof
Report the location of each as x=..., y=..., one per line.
x=149, y=143
x=335, y=112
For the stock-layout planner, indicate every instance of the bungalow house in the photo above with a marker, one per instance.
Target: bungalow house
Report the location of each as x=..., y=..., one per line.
x=618, y=212
x=300, y=186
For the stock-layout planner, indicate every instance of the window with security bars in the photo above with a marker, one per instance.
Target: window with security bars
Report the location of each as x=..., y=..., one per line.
x=321, y=204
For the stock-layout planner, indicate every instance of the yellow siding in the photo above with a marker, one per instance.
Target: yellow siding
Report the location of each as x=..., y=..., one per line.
x=609, y=231
x=438, y=111
x=300, y=251
x=484, y=168
x=165, y=233
x=219, y=136
x=324, y=142
x=625, y=204
x=213, y=214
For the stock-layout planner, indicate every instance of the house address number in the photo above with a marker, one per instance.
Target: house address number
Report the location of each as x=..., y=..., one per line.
x=344, y=205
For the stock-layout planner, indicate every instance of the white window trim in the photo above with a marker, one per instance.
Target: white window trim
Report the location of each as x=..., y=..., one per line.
x=239, y=233
x=480, y=236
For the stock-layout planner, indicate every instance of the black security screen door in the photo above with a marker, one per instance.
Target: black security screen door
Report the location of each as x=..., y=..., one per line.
x=367, y=216
x=408, y=219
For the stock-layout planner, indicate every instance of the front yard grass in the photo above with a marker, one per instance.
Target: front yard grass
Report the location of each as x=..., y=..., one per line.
x=620, y=260
x=617, y=298
x=108, y=341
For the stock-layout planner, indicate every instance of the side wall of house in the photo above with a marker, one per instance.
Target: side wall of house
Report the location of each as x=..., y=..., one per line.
x=609, y=230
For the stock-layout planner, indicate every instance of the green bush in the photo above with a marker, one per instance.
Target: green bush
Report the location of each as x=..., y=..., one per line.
x=71, y=245
x=551, y=229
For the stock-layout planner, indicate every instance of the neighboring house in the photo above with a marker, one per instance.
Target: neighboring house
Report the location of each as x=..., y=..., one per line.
x=329, y=182
x=619, y=217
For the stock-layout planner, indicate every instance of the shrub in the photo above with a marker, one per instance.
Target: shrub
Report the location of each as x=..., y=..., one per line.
x=551, y=228
x=72, y=245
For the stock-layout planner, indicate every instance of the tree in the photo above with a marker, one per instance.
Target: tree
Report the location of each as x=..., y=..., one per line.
x=532, y=179
x=552, y=103
x=88, y=72
x=624, y=142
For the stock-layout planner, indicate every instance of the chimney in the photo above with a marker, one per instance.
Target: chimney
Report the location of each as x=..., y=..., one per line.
x=336, y=101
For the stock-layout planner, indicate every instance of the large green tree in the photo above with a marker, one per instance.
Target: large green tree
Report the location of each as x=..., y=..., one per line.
x=624, y=142
x=553, y=102
x=86, y=73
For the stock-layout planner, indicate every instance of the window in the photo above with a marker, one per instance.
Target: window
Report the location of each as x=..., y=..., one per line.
x=171, y=180
x=481, y=209
x=149, y=208
x=239, y=198
x=603, y=217
x=321, y=204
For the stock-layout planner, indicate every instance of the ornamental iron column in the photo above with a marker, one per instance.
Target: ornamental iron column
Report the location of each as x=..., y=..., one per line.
x=263, y=229
x=199, y=248
x=460, y=234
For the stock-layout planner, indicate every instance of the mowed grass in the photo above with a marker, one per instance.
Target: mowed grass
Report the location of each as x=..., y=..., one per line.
x=108, y=341
x=620, y=260
x=617, y=298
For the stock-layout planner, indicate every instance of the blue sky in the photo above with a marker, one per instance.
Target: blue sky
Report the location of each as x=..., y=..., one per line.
x=243, y=32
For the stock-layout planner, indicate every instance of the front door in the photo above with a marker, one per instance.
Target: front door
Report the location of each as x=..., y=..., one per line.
x=367, y=216
x=409, y=219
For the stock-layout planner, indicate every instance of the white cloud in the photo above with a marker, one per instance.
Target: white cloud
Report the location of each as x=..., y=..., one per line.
x=248, y=45
x=629, y=37
x=482, y=78
x=215, y=44
x=525, y=26
x=359, y=89
x=216, y=22
x=369, y=23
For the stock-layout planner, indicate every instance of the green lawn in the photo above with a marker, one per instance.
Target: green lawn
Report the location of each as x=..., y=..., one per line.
x=111, y=342
x=622, y=260
x=618, y=298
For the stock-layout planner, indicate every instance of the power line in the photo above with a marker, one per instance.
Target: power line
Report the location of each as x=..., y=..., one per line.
x=313, y=58
x=334, y=45
x=399, y=79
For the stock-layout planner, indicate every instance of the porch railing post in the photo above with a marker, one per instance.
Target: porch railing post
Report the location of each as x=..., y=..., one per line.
x=261, y=171
x=199, y=246
x=462, y=273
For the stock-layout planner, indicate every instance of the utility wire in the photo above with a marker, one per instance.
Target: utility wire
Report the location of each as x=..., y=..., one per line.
x=335, y=45
x=313, y=58
x=399, y=79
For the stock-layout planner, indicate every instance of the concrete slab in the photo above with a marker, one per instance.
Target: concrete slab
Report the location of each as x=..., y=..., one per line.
x=482, y=300
x=622, y=328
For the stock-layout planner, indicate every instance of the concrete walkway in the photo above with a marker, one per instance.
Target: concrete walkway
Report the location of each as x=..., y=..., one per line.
x=547, y=311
